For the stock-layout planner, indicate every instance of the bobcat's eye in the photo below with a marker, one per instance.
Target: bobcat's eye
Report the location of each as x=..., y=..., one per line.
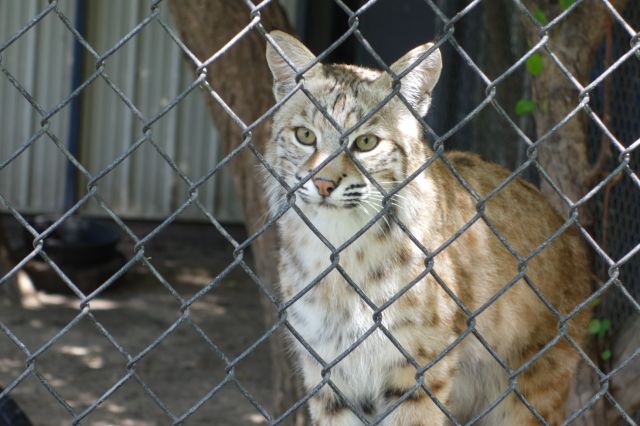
x=367, y=142
x=305, y=136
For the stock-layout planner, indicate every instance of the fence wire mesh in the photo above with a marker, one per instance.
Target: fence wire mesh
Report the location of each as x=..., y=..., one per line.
x=616, y=209
x=613, y=261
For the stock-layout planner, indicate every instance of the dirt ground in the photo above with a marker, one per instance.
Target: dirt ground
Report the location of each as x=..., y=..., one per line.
x=83, y=364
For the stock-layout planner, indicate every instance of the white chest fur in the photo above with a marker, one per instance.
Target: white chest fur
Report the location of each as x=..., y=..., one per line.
x=332, y=317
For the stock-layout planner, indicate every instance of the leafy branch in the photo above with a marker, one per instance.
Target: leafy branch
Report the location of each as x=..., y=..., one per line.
x=599, y=327
x=535, y=63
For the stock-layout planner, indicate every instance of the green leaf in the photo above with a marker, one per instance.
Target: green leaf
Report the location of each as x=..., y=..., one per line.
x=594, y=326
x=595, y=301
x=534, y=64
x=605, y=325
x=565, y=4
x=540, y=16
x=605, y=355
x=525, y=106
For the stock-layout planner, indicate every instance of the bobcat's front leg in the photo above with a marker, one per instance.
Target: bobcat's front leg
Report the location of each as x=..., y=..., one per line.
x=328, y=410
x=326, y=407
x=418, y=409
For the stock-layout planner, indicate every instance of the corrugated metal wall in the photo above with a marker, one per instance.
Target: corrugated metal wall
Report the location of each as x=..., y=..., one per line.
x=150, y=70
x=41, y=62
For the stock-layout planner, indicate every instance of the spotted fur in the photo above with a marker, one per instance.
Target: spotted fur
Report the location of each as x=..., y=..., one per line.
x=424, y=319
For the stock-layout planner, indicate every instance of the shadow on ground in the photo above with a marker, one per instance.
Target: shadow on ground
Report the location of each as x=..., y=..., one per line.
x=179, y=372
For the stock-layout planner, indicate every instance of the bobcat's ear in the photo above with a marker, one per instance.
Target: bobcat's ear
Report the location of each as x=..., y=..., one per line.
x=417, y=84
x=296, y=52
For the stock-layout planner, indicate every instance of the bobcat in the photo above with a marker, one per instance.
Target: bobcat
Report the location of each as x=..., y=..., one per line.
x=444, y=304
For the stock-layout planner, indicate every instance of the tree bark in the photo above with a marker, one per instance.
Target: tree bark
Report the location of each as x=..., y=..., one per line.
x=242, y=79
x=574, y=40
x=563, y=155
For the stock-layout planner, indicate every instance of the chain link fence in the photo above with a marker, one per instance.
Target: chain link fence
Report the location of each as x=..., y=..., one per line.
x=617, y=208
x=613, y=258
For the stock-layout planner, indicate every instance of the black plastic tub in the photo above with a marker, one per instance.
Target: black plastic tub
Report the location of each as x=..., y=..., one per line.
x=10, y=413
x=78, y=241
x=85, y=249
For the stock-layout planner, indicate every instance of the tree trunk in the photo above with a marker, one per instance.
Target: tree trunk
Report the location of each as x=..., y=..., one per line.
x=242, y=79
x=563, y=155
x=574, y=40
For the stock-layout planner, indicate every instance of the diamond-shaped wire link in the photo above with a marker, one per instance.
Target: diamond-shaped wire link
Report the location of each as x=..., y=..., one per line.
x=583, y=105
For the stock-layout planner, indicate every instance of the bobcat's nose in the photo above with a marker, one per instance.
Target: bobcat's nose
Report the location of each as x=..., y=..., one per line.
x=325, y=186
